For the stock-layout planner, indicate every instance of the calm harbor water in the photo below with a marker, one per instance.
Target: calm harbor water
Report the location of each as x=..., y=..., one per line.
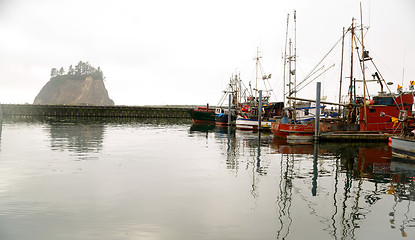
x=169, y=179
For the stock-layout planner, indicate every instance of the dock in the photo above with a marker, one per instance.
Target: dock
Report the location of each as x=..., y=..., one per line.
x=27, y=110
x=353, y=137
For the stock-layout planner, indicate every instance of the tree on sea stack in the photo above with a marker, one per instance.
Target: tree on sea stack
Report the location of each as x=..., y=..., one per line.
x=81, y=85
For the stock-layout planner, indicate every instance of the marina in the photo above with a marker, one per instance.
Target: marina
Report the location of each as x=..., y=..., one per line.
x=321, y=145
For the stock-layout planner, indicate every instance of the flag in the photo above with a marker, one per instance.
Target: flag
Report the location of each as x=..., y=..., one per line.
x=412, y=83
x=399, y=87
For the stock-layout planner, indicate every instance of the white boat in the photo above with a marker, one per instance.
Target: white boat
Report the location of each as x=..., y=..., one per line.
x=252, y=124
x=403, y=146
x=258, y=104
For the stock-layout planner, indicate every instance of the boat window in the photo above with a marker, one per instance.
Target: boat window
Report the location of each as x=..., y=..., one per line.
x=306, y=112
x=372, y=110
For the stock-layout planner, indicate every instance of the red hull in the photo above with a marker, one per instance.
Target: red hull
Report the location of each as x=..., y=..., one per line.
x=374, y=121
x=282, y=130
x=202, y=115
x=195, y=121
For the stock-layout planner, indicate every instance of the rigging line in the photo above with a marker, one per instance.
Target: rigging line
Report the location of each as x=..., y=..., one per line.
x=311, y=74
x=317, y=77
x=325, y=56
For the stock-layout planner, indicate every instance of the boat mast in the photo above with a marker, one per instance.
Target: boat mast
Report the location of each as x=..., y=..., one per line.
x=285, y=60
x=363, y=67
x=256, y=75
x=289, y=73
x=351, y=63
x=294, y=72
x=341, y=73
x=295, y=54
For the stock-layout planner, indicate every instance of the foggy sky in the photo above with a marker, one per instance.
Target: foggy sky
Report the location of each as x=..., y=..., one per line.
x=184, y=52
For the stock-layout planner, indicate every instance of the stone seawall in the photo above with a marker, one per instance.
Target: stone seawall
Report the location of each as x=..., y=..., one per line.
x=95, y=111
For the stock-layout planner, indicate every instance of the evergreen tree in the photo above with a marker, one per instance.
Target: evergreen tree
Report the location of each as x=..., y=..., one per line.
x=71, y=71
x=78, y=69
x=61, y=71
x=53, y=72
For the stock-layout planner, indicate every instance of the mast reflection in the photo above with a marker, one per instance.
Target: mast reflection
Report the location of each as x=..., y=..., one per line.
x=351, y=197
x=335, y=185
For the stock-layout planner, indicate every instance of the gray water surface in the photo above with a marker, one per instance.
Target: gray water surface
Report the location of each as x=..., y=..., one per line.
x=169, y=179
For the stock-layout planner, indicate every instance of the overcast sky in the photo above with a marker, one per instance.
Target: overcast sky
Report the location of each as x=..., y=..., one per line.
x=184, y=51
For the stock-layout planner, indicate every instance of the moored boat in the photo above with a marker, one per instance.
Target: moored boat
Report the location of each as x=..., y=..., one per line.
x=222, y=117
x=403, y=146
x=203, y=115
x=379, y=114
x=236, y=91
x=282, y=130
x=364, y=114
x=258, y=104
x=248, y=118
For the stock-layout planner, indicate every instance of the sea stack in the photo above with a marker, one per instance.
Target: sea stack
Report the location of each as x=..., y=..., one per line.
x=81, y=85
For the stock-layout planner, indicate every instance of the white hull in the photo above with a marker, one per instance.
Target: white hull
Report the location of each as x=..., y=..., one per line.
x=251, y=124
x=404, y=146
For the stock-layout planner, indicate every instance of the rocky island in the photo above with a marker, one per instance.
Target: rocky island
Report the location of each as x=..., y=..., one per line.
x=80, y=85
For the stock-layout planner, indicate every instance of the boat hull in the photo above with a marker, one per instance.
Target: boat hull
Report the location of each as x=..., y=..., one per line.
x=390, y=107
x=252, y=124
x=202, y=116
x=282, y=130
x=404, y=146
x=222, y=120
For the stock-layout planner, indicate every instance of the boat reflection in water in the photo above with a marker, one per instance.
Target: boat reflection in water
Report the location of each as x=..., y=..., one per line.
x=167, y=179
x=338, y=187
x=353, y=178
x=205, y=128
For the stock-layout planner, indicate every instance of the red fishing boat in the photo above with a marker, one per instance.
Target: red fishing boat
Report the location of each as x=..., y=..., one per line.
x=361, y=114
x=282, y=130
x=203, y=115
x=382, y=115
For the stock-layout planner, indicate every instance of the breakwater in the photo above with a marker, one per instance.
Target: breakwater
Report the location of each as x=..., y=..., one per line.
x=95, y=111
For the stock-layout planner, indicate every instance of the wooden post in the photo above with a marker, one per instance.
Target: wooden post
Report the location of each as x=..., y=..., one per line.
x=229, y=110
x=317, y=123
x=259, y=109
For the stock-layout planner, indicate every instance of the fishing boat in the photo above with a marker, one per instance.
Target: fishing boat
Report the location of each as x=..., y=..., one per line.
x=258, y=112
x=379, y=110
x=203, y=115
x=236, y=91
x=403, y=145
x=361, y=114
x=298, y=117
x=248, y=118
